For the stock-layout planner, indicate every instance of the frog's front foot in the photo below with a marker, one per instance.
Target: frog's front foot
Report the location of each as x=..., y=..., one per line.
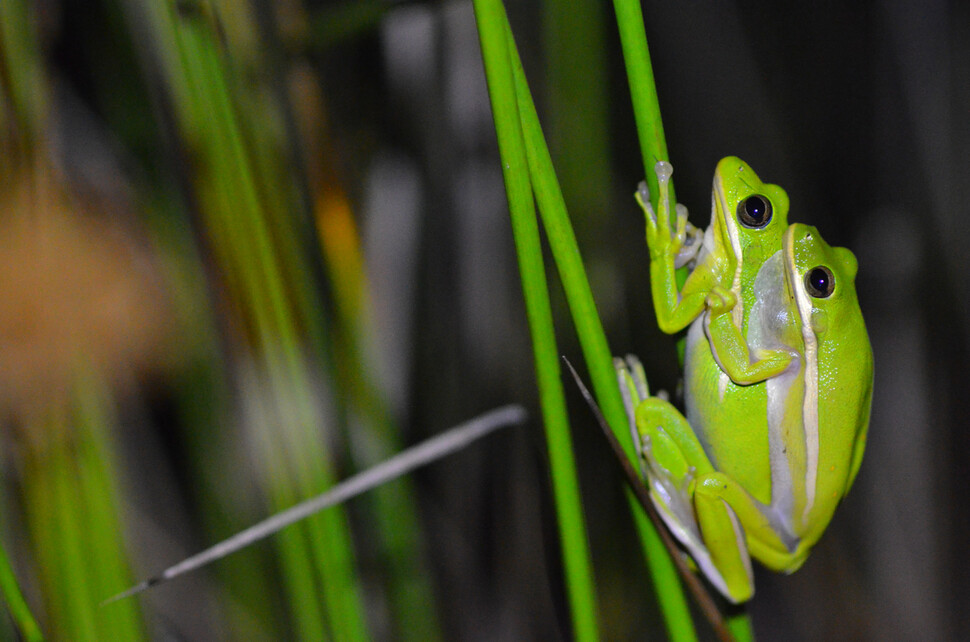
x=663, y=241
x=720, y=301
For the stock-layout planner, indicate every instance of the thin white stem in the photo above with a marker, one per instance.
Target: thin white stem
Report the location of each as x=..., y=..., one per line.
x=404, y=462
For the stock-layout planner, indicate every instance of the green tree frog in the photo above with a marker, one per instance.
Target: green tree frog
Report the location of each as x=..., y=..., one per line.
x=777, y=384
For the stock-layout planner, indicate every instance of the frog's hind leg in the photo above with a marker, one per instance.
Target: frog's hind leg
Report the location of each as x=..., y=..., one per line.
x=724, y=538
x=693, y=499
x=704, y=523
x=670, y=458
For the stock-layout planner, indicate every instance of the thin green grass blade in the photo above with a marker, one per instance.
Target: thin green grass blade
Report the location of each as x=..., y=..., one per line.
x=23, y=94
x=492, y=28
x=23, y=82
x=592, y=337
x=236, y=225
x=565, y=251
x=646, y=110
x=95, y=482
x=393, y=506
x=14, y=600
x=739, y=623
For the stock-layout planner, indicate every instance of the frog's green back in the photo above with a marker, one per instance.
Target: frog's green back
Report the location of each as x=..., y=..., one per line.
x=795, y=441
x=730, y=420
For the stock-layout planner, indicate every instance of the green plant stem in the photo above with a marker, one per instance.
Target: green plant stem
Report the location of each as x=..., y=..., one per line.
x=577, y=110
x=593, y=341
x=592, y=338
x=643, y=92
x=565, y=251
x=15, y=602
x=493, y=28
x=739, y=623
x=71, y=510
x=23, y=80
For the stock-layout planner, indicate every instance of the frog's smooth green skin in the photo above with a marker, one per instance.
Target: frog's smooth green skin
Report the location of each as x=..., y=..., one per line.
x=748, y=218
x=759, y=469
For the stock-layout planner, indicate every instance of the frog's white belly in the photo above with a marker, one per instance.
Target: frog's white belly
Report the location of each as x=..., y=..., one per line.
x=769, y=324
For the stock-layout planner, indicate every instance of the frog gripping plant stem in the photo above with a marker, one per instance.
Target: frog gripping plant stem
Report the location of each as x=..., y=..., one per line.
x=777, y=381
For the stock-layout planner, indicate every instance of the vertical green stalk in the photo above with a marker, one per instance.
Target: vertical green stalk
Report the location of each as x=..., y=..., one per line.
x=643, y=92
x=95, y=483
x=589, y=328
x=492, y=28
x=23, y=81
x=68, y=487
x=739, y=623
x=565, y=251
x=393, y=506
x=592, y=338
x=232, y=216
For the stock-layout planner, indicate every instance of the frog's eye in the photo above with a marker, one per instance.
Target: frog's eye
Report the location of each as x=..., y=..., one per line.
x=754, y=211
x=820, y=282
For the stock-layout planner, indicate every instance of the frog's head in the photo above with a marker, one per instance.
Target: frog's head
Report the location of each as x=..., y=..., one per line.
x=821, y=280
x=748, y=217
x=806, y=299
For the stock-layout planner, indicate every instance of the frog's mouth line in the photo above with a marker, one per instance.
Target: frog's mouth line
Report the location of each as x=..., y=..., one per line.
x=793, y=281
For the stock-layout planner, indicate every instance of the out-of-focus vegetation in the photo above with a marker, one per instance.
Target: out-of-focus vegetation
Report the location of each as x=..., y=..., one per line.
x=250, y=248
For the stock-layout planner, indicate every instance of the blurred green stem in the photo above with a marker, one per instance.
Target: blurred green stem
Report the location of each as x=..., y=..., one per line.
x=244, y=202
x=71, y=500
x=14, y=601
x=578, y=93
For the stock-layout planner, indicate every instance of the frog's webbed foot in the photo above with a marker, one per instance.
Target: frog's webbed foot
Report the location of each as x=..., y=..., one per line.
x=670, y=490
x=681, y=503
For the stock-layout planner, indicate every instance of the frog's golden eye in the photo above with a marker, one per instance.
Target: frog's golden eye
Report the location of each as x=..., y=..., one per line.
x=755, y=211
x=820, y=282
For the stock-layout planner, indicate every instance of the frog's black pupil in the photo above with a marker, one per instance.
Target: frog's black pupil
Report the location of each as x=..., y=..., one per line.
x=755, y=211
x=819, y=282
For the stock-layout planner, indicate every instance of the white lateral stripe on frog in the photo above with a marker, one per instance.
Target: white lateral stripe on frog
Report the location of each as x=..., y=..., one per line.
x=810, y=402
